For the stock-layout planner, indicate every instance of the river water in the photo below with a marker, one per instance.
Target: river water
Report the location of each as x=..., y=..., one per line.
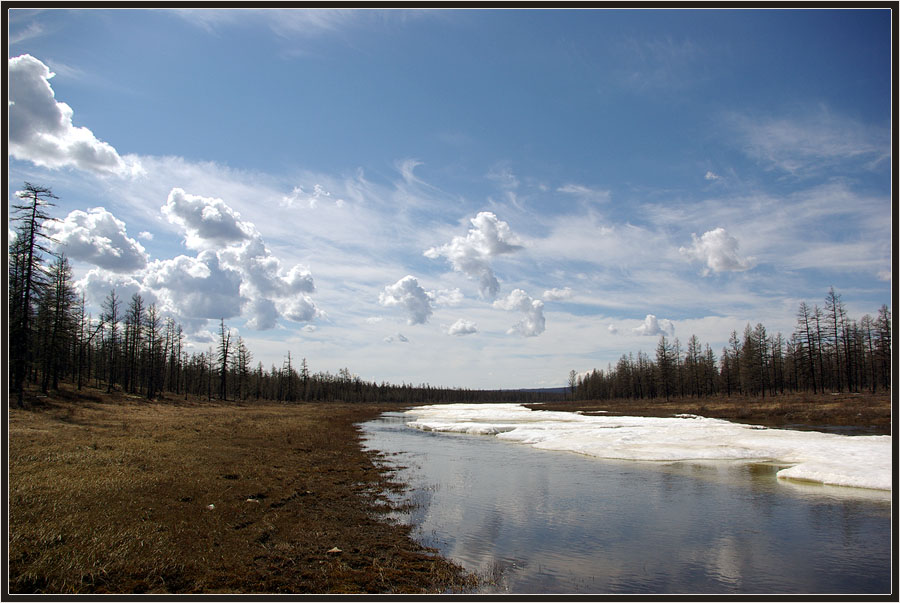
x=532, y=521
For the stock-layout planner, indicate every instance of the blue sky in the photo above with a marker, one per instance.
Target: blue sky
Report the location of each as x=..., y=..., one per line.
x=472, y=198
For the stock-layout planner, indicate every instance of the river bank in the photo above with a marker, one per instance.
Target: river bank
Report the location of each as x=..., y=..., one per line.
x=114, y=494
x=849, y=413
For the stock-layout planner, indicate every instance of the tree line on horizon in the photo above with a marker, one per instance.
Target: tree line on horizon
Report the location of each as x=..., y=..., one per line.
x=132, y=348
x=826, y=352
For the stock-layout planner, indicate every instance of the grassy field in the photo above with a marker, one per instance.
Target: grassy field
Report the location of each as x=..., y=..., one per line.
x=859, y=414
x=115, y=494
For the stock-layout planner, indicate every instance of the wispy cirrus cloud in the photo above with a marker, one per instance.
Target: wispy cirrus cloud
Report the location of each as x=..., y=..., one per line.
x=810, y=142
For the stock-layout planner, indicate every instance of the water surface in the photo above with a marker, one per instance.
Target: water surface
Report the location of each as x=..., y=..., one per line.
x=546, y=522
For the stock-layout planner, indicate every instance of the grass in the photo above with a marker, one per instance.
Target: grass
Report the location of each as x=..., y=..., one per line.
x=113, y=494
x=850, y=412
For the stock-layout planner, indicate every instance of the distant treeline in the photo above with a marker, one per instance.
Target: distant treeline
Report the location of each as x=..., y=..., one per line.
x=827, y=352
x=130, y=347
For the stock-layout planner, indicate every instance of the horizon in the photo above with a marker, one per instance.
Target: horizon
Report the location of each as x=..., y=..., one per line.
x=476, y=199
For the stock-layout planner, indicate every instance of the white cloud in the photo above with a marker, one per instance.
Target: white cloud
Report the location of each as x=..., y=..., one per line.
x=462, y=327
x=300, y=198
x=533, y=324
x=652, y=327
x=613, y=329
x=399, y=337
x=410, y=295
x=815, y=140
x=300, y=309
x=586, y=193
x=263, y=314
x=557, y=294
x=40, y=128
x=503, y=175
x=264, y=271
x=472, y=254
x=407, y=168
x=196, y=287
x=97, y=237
x=711, y=175
x=147, y=236
x=207, y=223
x=719, y=250
x=446, y=297
x=97, y=284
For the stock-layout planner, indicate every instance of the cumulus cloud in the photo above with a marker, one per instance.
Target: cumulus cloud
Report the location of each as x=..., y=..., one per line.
x=472, y=254
x=263, y=314
x=533, y=324
x=196, y=287
x=399, y=337
x=557, y=294
x=97, y=284
x=97, y=237
x=710, y=175
x=300, y=309
x=719, y=250
x=462, y=327
x=207, y=223
x=408, y=294
x=40, y=128
x=264, y=271
x=652, y=327
x=613, y=329
x=269, y=289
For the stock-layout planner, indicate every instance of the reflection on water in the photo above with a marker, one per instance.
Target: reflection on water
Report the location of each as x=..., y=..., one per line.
x=533, y=521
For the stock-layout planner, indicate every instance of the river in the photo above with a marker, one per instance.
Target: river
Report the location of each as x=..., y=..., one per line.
x=532, y=521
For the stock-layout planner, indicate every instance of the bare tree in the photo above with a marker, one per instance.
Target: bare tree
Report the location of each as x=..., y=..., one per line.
x=28, y=275
x=224, y=350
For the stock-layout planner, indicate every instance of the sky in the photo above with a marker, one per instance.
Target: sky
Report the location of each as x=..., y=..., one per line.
x=465, y=198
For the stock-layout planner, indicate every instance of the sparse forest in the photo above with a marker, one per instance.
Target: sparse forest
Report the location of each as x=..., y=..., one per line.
x=131, y=347
x=827, y=352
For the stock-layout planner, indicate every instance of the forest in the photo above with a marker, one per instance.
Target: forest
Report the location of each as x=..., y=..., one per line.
x=827, y=352
x=132, y=348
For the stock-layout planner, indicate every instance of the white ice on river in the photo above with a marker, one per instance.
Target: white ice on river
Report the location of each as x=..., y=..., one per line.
x=826, y=458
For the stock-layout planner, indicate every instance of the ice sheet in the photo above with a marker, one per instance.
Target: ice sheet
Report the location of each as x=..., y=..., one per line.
x=833, y=459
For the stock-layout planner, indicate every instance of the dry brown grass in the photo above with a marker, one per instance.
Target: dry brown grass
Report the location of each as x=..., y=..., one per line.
x=863, y=413
x=122, y=495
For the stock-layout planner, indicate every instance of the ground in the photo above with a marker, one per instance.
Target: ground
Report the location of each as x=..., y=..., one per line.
x=111, y=493
x=851, y=413
x=117, y=494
